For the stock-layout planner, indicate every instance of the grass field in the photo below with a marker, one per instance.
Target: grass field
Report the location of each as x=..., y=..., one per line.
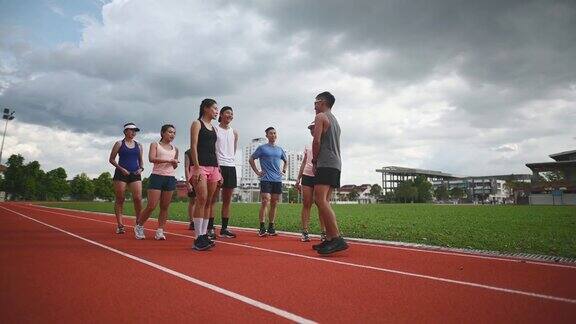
x=549, y=230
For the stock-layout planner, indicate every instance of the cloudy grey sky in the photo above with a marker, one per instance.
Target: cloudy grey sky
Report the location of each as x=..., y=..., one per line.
x=472, y=88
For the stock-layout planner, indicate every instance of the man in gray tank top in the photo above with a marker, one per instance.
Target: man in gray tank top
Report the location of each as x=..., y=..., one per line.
x=328, y=163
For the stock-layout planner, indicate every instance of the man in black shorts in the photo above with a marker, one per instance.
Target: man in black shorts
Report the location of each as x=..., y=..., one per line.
x=327, y=163
x=269, y=155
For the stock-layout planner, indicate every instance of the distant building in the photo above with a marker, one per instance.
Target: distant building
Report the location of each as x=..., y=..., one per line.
x=363, y=191
x=477, y=188
x=558, y=192
x=248, y=178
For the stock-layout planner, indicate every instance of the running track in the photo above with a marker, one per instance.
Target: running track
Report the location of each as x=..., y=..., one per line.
x=69, y=266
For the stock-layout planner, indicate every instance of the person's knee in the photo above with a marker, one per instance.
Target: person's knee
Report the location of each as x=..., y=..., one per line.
x=265, y=200
x=137, y=199
x=120, y=199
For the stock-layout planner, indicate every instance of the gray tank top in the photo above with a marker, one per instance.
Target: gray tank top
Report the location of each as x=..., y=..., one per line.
x=329, y=156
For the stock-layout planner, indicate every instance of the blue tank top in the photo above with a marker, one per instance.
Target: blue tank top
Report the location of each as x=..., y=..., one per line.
x=129, y=157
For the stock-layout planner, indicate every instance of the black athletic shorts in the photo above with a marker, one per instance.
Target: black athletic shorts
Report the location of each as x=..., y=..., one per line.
x=160, y=182
x=327, y=176
x=271, y=187
x=228, y=176
x=307, y=181
x=119, y=176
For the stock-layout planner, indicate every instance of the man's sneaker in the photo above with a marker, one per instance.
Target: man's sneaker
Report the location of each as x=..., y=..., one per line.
x=272, y=231
x=191, y=226
x=160, y=235
x=319, y=246
x=139, y=232
x=337, y=244
x=262, y=232
x=120, y=229
x=323, y=236
x=201, y=243
x=211, y=234
x=305, y=237
x=224, y=232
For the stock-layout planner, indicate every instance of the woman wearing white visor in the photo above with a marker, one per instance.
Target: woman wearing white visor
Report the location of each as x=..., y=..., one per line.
x=128, y=173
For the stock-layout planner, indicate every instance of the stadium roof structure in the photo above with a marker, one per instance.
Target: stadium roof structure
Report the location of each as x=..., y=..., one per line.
x=402, y=171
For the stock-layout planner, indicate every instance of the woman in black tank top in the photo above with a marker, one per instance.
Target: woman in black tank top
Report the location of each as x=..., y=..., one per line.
x=205, y=175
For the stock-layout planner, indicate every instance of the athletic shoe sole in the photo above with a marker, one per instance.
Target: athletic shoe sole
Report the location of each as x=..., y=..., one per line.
x=338, y=249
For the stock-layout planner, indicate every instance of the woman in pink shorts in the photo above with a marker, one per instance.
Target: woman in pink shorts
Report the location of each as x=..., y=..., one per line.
x=205, y=175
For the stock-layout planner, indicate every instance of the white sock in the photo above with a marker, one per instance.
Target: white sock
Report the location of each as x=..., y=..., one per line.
x=205, y=226
x=198, y=226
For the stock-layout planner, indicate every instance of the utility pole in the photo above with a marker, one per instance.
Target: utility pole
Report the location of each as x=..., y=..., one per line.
x=8, y=116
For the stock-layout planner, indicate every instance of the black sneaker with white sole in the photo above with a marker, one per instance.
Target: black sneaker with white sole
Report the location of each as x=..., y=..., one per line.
x=262, y=232
x=211, y=234
x=272, y=231
x=334, y=245
x=224, y=232
x=201, y=243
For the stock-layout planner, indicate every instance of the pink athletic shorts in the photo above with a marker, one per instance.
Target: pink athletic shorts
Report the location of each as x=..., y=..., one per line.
x=211, y=173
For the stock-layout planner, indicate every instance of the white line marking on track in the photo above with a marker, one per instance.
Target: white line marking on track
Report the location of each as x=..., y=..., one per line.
x=381, y=244
x=244, y=299
x=398, y=272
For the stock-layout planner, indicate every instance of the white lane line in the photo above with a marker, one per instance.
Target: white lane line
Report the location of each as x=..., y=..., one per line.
x=376, y=243
x=398, y=272
x=244, y=299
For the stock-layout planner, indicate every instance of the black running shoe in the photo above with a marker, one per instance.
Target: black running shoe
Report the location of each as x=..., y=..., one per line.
x=262, y=232
x=211, y=234
x=272, y=231
x=201, y=244
x=224, y=232
x=319, y=246
x=335, y=245
x=191, y=226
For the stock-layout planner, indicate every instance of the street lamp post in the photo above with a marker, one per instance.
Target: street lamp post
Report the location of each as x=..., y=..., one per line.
x=8, y=116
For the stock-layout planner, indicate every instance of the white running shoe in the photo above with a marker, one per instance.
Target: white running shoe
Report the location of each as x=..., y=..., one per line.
x=139, y=232
x=160, y=235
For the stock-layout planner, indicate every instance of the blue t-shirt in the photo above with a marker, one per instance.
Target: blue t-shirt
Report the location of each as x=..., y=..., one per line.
x=270, y=156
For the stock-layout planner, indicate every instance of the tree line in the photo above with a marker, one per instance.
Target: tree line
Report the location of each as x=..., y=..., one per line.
x=27, y=181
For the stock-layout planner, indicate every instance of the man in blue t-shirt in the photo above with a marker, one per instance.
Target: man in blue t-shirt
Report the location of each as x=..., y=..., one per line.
x=270, y=176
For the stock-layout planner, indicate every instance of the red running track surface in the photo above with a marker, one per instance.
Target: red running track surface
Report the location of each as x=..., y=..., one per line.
x=63, y=266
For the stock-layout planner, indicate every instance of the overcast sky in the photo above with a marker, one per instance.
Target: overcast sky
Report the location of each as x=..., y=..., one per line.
x=465, y=87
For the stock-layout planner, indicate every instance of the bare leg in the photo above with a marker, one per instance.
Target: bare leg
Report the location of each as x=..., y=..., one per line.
x=273, y=204
x=191, y=203
x=153, y=199
x=136, y=189
x=322, y=197
x=226, y=200
x=265, y=197
x=119, y=188
x=210, y=190
x=165, y=200
x=307, y=201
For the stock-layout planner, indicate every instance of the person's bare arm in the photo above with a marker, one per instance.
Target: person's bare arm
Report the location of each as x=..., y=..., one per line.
x=140, y=160
x=175, y=162
x=194, y=131
x=320, y=122
x=254, y=168
x=235, y=141
x=301, y=171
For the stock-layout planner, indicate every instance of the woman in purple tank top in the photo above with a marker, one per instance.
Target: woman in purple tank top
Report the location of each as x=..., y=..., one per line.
x=128, y=173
